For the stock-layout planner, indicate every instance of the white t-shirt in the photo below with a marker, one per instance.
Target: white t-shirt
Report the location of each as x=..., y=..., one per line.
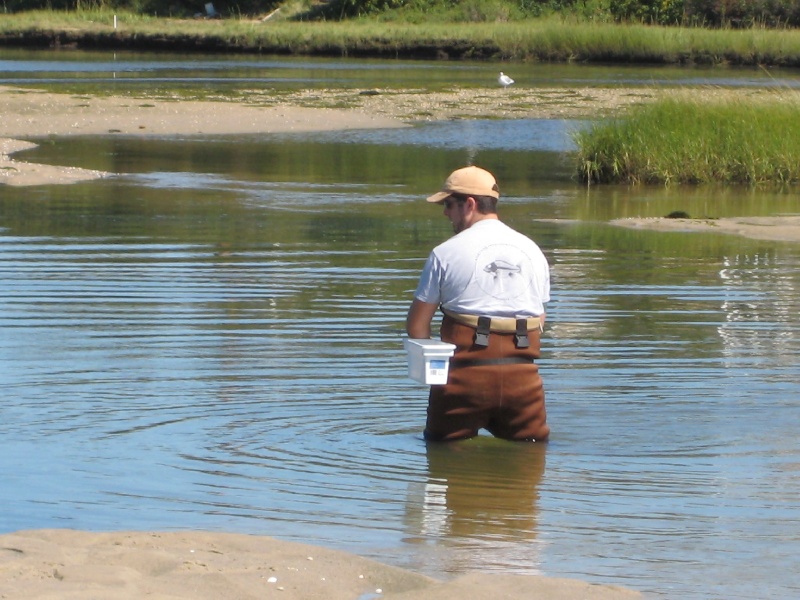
x=488, y=269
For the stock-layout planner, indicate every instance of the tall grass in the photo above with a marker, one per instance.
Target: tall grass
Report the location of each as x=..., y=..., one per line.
x=550, y=39
x=683, y=138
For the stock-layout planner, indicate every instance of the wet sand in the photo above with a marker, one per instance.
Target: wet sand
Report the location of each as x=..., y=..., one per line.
x=67, y=564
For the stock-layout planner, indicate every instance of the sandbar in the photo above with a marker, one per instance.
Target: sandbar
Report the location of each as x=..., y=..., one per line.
x=784, y=228
x=29, y=114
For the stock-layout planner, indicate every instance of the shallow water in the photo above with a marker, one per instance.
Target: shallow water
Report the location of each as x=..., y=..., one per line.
x=212, y=340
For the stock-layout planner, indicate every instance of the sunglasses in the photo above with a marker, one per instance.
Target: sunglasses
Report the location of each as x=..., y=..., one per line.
x=451, y=202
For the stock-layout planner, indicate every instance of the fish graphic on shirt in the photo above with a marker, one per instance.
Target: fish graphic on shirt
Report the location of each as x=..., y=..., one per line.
x=499, y=266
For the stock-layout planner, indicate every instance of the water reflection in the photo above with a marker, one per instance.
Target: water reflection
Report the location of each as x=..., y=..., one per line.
x=479, y=503
x=757, y=322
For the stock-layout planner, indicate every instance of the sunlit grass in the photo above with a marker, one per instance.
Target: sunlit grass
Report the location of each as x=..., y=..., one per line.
x=557, y=39
x=691, y=138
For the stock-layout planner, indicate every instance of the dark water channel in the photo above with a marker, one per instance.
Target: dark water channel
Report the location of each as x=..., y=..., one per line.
x=213, y=340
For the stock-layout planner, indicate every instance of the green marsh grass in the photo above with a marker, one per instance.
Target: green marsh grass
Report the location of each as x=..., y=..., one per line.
x=548, y=39
x=691, y=138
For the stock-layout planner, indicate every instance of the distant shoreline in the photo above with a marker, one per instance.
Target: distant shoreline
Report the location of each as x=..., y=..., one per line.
x=445, y=35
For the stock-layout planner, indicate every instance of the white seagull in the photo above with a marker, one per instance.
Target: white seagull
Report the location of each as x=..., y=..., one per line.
x=504, y=80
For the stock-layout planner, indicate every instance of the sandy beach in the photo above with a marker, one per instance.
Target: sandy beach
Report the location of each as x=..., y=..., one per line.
x=67, y=564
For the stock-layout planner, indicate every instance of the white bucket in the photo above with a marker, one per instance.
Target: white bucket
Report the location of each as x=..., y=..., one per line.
x=428, y=360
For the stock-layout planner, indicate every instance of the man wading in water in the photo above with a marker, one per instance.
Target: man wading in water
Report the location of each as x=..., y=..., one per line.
x=491, y=283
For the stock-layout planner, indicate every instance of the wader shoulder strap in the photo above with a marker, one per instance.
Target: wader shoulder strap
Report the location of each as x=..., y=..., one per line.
x=482, y=332
x=521, y=335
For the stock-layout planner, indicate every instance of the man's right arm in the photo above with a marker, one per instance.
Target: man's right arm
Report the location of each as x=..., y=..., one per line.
x=418, y=321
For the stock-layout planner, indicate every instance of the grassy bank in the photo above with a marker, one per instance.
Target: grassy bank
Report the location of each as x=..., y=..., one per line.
x=552, y=39
x=683, y=139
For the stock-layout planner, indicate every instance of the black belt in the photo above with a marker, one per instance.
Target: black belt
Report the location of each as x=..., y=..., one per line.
x=480, y=362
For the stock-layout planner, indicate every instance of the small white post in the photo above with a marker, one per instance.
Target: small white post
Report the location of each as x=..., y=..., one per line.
x=115, y=21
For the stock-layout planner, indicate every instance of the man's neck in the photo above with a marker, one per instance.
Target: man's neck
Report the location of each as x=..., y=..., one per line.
x=484, y=217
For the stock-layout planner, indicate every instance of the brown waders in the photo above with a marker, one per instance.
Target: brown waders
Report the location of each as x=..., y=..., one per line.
x=496, y=386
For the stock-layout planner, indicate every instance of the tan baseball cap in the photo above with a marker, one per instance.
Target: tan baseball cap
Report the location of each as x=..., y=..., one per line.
x=472, y=181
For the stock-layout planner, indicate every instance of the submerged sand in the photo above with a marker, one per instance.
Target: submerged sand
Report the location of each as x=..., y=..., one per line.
x=68, y=564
